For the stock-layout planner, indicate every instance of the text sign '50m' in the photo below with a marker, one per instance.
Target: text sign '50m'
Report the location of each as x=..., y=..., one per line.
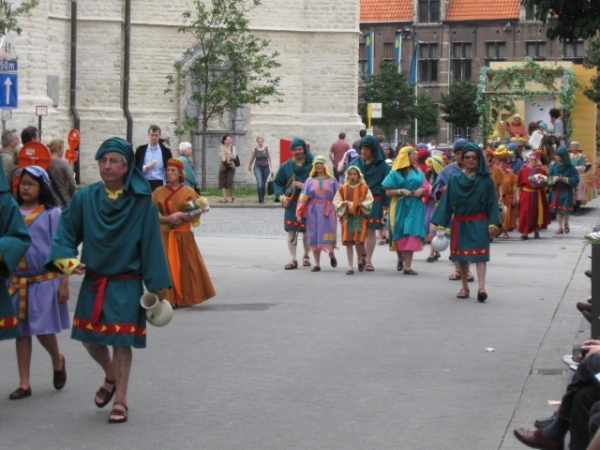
x=9, y=65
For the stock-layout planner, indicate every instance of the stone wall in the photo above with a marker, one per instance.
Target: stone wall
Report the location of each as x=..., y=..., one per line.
x=317, y=42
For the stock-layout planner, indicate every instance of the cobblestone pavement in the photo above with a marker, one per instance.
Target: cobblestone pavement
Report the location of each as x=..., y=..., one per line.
x=300, y=360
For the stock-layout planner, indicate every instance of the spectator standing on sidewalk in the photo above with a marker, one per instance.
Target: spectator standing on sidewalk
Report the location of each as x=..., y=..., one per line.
x=337, y=152
x=263, y=167
x=9, y=148
x=151, y=158
x=62, y=178
x=185, y=155
x=356, y=144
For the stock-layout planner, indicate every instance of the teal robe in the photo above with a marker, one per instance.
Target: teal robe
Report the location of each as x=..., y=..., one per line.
x=407, y=214
x=14, y=242
x=289, y=172
x=190, y=176
x=561, y=194
x=471, y=205
x=120, y=238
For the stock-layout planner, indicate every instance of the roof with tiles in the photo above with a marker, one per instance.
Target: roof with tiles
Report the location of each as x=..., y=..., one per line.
x=483, y=9
x=373, y=11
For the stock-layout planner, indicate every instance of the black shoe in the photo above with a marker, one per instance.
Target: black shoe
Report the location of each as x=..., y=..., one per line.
x=545, y=423
x=588, y=273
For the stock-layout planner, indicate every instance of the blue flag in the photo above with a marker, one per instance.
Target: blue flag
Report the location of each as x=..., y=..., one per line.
x=369, y=52
x=412, y=75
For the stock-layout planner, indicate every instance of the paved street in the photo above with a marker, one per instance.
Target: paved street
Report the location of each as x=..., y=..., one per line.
x=298, y=360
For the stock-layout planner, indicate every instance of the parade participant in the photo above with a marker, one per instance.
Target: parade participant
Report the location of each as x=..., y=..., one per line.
x=435, y=164
x=315, y=206
x=516, y=161
x=564, y=178
x=495, y=172
x=405, y=185
x=350, y=156
x=353, y=201
x=14, y=242
x=117, y=224
x=501, y=134
x=509, y=198
x=581, y=164
x=374, y=168
x=533, y=205
x=38, y=296
x=191, y=280
x=288, y=184
x=422, y=155
x=440, y=185
x=470, y=204
x=516, y=128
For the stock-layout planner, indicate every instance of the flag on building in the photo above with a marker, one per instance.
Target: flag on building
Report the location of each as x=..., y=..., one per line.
x=398, y=51
x=369, y=50
x=412, y=75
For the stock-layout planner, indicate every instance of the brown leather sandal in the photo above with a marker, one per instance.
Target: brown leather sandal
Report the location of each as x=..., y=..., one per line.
x=291, y=266
x=463, y=293
x=118, y=412
x=105, y=394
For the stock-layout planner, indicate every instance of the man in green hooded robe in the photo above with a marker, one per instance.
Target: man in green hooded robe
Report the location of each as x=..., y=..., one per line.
x=470, y=205
x=14, y=242
x=288, y=184
x=117, y=224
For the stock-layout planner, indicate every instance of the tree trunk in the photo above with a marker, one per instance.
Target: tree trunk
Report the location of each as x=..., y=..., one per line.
x=203, y=150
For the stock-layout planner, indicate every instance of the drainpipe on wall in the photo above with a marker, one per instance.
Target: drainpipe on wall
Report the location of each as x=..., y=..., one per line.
x=126, y=67
x=73, y=84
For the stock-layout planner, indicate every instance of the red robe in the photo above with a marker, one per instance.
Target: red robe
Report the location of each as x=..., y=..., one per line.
x=533, y=204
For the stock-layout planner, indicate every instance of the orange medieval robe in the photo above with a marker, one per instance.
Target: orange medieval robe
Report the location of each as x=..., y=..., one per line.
x=191, y=281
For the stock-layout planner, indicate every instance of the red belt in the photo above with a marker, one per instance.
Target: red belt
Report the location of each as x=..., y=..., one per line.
x=456, y=220
x=378, y=197
x=99, y=287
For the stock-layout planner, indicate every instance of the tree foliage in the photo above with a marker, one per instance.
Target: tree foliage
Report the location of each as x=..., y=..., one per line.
x=426, y=113
x=459, y=105
x=390, y=88
x=8, y=15
x=591, y=61
x=569, y=20
x=229, y=67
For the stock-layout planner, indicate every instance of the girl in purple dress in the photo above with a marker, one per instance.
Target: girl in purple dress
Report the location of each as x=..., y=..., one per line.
x=316, y=204
x=39, y=297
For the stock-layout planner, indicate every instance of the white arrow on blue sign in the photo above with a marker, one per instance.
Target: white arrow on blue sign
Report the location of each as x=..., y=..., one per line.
x=9, y=92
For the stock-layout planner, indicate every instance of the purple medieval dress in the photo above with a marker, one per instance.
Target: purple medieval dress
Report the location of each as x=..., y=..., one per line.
x=43, y=314
x=316, y=204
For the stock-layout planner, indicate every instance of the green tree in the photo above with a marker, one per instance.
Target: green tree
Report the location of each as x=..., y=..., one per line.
x=390, y=88
x=8, y=15
x=426, y=113
x=459, y=106
x=591, y=61
x=229, y=66
x=571, y=20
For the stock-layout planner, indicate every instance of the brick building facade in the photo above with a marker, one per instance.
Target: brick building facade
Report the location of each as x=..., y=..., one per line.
x=456, y=38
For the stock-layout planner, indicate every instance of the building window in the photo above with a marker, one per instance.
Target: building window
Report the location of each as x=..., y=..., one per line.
x=574, y=50
x=464, y=133
x=530, y=12
x=461, y=60
x=362, y=63
x=495, y=50
x=429, y=11
x=428, y=63
x=388, y=50
x=536, y=50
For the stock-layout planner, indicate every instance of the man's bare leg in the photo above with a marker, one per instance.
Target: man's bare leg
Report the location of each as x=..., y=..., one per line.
x=350, y=253
x=370, y=242
x=122, y=358
x=101, y=355
x=463, y=268
x=481, y=269
x=291, y=247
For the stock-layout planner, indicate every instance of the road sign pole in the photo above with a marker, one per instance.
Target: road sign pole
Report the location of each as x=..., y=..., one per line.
x=40, y=127
x=3, y=126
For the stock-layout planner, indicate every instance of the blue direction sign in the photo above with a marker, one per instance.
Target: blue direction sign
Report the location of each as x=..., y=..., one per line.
x=9, y=97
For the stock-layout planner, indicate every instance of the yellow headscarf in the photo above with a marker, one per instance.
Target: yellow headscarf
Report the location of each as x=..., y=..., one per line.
x=361, y=177
x=437, y=162
x=402, y=160
x=320, y=159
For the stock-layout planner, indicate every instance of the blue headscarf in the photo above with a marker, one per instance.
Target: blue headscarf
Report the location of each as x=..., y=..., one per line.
x=459, y=144
x=299, y=142
x=564, y=168
x=482, y=167
x=38, y=172
x=134, y=179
